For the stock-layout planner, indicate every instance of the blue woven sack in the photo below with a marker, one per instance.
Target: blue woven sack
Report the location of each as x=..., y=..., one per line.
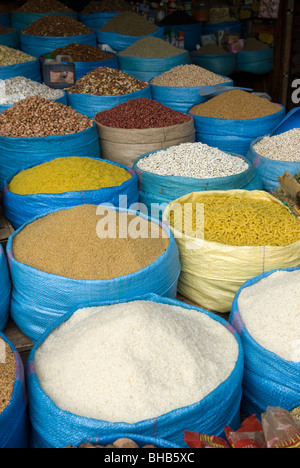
x=145, y=69
x=221, y=64
x=269, y=380
x=257, y=62
x=162, y=189
x=17, y=152
x=182, y=98
x=5, y=290
x=40, y=45
x=97, y=20
x=5, y=19
x=10, y=39
x=234, y=136
x=14, y=423
x=90, y=105
x=118, y=42
x=19, y=209
x=230, y=27
x=270, y=169
x=53, y=427
x=20, y=21
x=63, y=100
x=39, y=298
x=29, y=70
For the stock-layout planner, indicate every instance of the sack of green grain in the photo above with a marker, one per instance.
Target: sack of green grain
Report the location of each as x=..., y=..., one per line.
x=148, y=341
x=87, y=253
x=138, y=126
x=265, y=313
x=260, y=234
x=14, y=423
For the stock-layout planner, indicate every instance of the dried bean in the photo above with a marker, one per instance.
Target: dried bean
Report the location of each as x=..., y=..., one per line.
x=56, y=26
x=105, y=6
x=129, y=23
x=188, y=76
x=9, y=56
x=37, y=116
x=105, y=81
x=237, y=105
x=17, y=88
x=141, y=113
x=43, y=6
x=282, y=147
x=82, y=52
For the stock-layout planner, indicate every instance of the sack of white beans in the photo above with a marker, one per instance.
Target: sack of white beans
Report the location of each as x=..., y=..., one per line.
x=271, y=156
x=166, y=175
x=151, y=365
x=265, y=313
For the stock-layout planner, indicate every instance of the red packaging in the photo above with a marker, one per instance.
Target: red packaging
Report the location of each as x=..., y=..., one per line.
x=250, y=434
x=197, y=440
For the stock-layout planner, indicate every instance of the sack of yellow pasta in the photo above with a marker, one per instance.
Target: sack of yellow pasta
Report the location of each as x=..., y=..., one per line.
x=227, y=237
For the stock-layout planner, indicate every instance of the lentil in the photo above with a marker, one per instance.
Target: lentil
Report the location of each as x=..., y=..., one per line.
x=105, y=6
x=7, y=375
x=270, y=312
x=112, y=363
x=188, y=76
x=56, y=26
x=37, y=116
x=236, y=104
x=54, y=244
x=43, y=6
x=9, y=56
x=141, y=113
x=195, y=160
x=249, y=221
x=105, y=81
x=72, y=173
x=129, y=23
x=82, y=52
x=282, y=147
x=151, y=47
x=18, y=88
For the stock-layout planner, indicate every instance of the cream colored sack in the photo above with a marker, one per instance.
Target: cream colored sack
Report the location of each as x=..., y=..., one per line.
x=124, y=146
x=211, y=272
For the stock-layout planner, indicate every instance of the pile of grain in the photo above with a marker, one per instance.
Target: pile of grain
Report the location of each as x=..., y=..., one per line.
x=129, y=23
x=270, y=312
x=188, y=76
x=43, y=6
x=82, y=52
x=56, y=26
x=10, y=56
x=282, y=147
x=72, y=173
x=151, y=47
x=81, y=244
x=134, y=361
x=236, y=104
x=7, y=374
x=105, y=6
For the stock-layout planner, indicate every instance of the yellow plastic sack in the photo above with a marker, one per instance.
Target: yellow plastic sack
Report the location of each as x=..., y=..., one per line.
x=212, y=272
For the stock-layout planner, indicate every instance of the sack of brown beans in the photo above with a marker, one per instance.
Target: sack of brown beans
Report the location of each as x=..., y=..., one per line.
x=33, y=10
x=86, y=57
x=179, y=87
x=95, y=14
x=139, y=126
x=231, y=120
x=14, y=423
x=53, y=31
x=126, y=28
x=37, y=128
x=88, y=253
x=103, y=88
x=151, y=56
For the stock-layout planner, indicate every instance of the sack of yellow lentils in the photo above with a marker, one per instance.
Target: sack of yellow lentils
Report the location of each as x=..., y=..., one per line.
x=65, y=182
x=227, y=237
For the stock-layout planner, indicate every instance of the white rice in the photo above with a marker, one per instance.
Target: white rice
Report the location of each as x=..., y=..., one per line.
x=270, y=310
x=135, y=361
